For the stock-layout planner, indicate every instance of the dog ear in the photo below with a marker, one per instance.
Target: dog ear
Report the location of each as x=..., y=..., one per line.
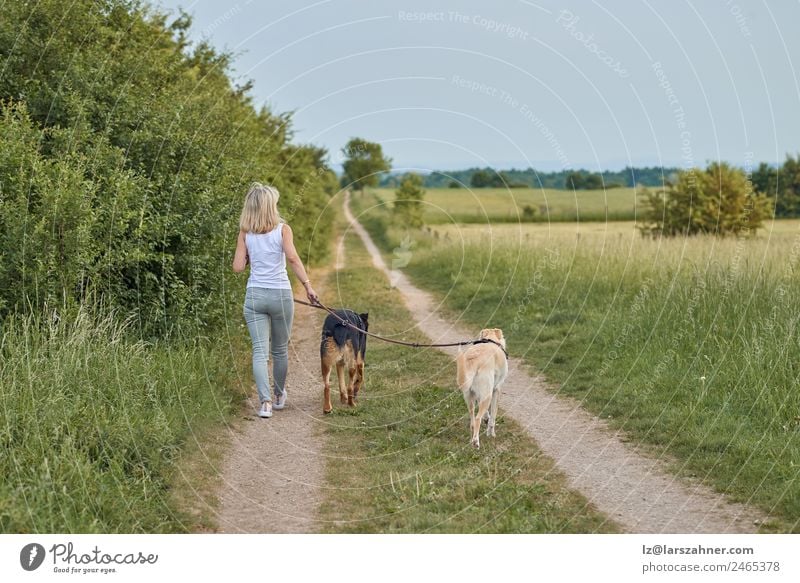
x=499, y=333
x=364, y=318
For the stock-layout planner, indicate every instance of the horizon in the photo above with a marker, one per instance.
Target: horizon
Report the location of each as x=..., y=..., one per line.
x=444, y=171
x=543, y=85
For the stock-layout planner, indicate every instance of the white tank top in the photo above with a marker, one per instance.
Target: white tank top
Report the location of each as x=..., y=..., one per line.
x=267, y=259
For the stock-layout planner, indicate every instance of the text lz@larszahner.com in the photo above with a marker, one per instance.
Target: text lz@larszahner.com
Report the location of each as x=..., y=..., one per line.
x=65, y=555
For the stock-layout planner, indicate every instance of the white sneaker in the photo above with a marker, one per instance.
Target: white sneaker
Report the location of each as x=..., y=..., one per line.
x=280, y=402
x=266, y=410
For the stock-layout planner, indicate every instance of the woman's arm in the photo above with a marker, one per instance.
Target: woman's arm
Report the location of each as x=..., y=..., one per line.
x=293, y=258
x=240, y=257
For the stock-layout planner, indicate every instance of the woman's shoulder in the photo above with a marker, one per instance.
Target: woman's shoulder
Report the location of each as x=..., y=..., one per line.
x=276, y=229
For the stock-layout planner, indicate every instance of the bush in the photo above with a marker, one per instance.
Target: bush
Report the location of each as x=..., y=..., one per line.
x=125, y=158
x=408, y=202
x=528, y=213
x=719, y=201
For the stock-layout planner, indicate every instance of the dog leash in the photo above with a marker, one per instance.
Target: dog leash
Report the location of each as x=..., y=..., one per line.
x=320, y=306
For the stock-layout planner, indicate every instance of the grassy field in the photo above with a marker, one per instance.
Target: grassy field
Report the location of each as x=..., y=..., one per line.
x=690, y=346
x=401, y=461
x=779, y=232
x=93, y=423
x=484, y=205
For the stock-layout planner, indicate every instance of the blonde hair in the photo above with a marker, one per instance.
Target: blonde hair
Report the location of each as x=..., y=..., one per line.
x=260, y=212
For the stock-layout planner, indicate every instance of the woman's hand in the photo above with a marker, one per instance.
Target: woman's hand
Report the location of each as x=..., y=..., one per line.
x=312, y=295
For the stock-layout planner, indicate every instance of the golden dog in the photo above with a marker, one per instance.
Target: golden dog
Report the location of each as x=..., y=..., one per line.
x=481, y=369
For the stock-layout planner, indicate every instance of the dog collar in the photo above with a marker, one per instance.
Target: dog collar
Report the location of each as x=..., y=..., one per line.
x=495, y=342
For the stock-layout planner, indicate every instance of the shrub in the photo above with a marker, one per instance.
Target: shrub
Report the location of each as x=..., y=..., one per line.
x=408, y=201
x=719, y=200
x=124, y=158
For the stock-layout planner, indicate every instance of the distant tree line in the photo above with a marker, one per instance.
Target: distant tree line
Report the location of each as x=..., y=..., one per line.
x=125, y=153
x=779, y=183
x=530, y=178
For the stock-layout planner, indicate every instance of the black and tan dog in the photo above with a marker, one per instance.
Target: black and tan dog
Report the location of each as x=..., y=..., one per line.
x=344, y=348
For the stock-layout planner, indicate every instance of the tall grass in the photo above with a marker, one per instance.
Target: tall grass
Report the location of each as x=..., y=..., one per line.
x=91, y=423
x=690, y=346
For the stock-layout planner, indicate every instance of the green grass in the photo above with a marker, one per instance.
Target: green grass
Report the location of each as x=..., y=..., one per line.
x=495, y=205
x=92, y=424
x=691, y=355
x=690, y=346
x=401, y=461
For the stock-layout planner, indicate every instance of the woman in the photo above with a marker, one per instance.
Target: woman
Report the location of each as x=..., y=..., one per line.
x=265, y=242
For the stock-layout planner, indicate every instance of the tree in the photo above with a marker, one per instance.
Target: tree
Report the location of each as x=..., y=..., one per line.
x=491, y=178
x=583, y=180
x=480, y=179
x=364, y=163
x=765, y=179
x=788, y=188
x=574, y=181
x=719, y=201
x=408, y=201
x=593, y=182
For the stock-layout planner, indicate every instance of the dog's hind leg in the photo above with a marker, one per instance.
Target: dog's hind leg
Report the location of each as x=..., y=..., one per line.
x=342, y=382
x=351, y=391
x=493, y=413
x=475, y=423
x=483, y=406
x=326, y=378
x=468, y=400
x=359, y=378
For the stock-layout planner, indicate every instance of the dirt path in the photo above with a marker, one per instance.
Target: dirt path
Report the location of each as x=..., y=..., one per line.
x=632, y=489
x=272, y=474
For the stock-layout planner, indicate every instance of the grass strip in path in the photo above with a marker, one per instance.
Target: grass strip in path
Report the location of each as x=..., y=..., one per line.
x=400, y=462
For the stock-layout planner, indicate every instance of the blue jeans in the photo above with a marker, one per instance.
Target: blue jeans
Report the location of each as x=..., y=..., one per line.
x=269, y=313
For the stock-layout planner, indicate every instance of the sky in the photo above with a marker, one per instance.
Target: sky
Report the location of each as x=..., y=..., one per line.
x=516, y=83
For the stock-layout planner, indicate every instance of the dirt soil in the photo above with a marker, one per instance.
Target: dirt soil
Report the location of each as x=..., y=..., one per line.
x=274, y=470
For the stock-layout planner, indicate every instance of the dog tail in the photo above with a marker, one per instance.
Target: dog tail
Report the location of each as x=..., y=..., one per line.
x=340, y=333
